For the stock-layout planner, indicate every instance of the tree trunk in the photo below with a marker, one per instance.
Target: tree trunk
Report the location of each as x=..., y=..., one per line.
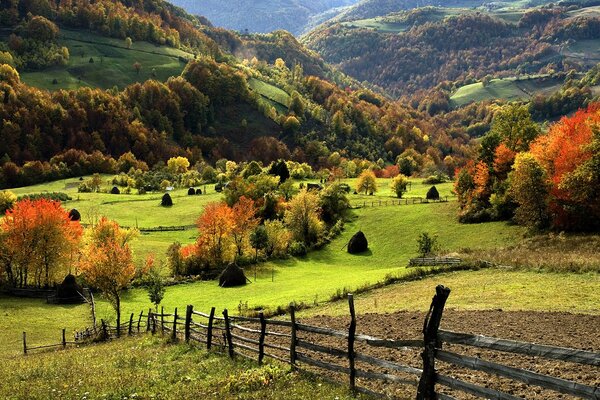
x=118, y=309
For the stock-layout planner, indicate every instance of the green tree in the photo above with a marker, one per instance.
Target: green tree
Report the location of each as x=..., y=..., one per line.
x=367, y=182
x=426, y=244
x=399, y=185
x=513, y=124
x=155, y=286
x=302, y=217
x=259, y=240
x=529, y=189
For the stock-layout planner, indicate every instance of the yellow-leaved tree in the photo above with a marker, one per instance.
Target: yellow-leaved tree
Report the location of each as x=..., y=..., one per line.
x=107, y=261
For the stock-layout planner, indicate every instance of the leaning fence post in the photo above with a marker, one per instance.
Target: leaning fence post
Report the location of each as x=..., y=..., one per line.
x=351, y=336
x=139, y=321
x=228, y=333
x=426, y=388
x=174, y=333
x=153, y=322
x=64, y=338
x=261, y=339
x=148, y=322
x=162, y=320
x=188, y=321
x=104, y=330
x=24, y=343
x=293, y=339
x=130, y=324
x=209, y=332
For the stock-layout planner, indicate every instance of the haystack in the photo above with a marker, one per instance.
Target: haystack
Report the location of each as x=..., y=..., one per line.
x=115, y=190
x=232, y=276
x=358, y=243
x=74, y=215
x=191, y=191
x=166, y=200
x=433, y=194
x=69, y=291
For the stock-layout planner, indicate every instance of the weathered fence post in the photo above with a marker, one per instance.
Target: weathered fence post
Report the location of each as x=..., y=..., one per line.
x=153, y=322
x=148, y=320
x=228, y=333
x=129, y=332
x=261, y=339
x=24, y=343
x=174, y=333
x=293, y=339
x=162, y=320
x=64, y=338
x=209, y=333
x=104, y=330
x=351, y=336
x=188, y=321
x=426, y=389
x=139, y=321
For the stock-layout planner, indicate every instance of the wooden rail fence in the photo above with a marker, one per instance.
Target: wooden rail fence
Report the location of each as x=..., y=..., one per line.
x=395, y=202
x=298, y=345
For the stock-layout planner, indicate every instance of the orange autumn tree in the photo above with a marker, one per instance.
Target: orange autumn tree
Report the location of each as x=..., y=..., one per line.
x=107, y=261
x=567, y=154
x=38, y=242
x=244, y=222
x=216, y=226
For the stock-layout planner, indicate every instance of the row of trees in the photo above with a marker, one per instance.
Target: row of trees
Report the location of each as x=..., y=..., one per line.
x=540, y=180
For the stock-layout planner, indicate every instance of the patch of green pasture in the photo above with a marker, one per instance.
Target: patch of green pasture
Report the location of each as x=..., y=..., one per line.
x=148, y=367
x=487, y=289
x=392, y=233
x=270, y=92
x=112, y=63
x=43, y=323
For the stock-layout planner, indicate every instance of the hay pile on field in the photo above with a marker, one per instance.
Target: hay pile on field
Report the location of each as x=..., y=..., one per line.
x=166, y=201
x=115, y=190
x=232, y=276
x=74, y=215
x=191, y=191
x=358, y=243
x=433, y=194
x=69, y=291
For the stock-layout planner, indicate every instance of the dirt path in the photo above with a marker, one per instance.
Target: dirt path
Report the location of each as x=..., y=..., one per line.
x=559, y=329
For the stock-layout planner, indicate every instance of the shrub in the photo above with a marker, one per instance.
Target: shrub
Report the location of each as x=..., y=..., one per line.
x=7, y=200
x=191, y=191
x=84, y=187
x=436, y=179
x=399, y=185
x=433, y=194
x=426, y=244
x=166, y=200
x=55, y=196
x=298, y=249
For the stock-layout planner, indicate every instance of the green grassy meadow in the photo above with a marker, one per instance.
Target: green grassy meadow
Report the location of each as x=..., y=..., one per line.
x=509, y=89
x=112, y=63
x=270, y=92
x=148, y=367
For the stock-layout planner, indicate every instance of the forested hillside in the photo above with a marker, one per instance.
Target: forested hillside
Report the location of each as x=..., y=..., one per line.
x=274, y=100
x=409, y=51
x=262, y=16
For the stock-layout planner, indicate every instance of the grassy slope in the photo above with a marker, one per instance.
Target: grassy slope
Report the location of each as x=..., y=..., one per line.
x=112, y=66
x=506, y=89
x=481, y=290
x=149, y=368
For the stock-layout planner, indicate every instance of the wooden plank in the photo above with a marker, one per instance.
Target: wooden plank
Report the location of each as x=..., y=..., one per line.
x=245, y=339
x=276, y=347
x=279, y=323
x=273, y=356
x=391, y=344
x=278, y=334
x=351, y=334
x=531, y=378
x=198, y=324
x=531, y=349
x=243, y=346
x=246, y=319
x=475, y=390
x=200, y=314
x=243, y=328
x=322, y=331
x=387, y=364
x=386, y=378
x=322, y=349
x=322, y=364
x=369, y=392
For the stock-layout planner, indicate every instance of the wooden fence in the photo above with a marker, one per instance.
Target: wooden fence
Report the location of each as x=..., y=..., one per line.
x=395, y=202
x=309, y=347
